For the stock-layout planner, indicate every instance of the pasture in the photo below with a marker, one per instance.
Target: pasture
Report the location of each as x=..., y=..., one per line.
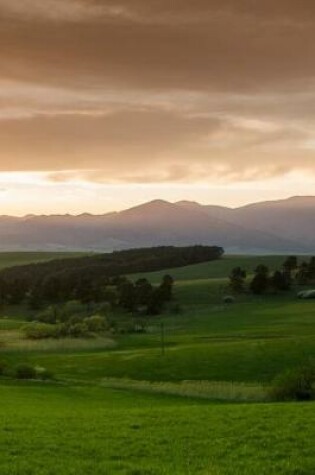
x=197, y=404
x=10, y=259
x=87, y=430
x=217, y=269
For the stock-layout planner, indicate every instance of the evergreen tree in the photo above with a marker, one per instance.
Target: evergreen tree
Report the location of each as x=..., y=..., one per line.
x=237, y=279
x=303, y=273
x=143, y=290
x=127, y=297
x=166, y=288
x=260, y=281
x=279, y=281
x=290, y=265
x=311, y=268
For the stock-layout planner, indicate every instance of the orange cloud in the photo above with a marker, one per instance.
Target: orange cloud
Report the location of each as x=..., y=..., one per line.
x=145, y=91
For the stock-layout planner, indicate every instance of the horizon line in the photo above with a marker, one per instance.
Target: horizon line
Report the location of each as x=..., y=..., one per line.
x=86, y=213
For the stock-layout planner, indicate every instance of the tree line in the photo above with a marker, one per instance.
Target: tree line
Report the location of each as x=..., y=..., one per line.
x=263, y=280
x=98, y=278
x=76, y=319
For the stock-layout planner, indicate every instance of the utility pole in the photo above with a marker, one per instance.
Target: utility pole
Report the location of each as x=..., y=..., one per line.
x=162, y=339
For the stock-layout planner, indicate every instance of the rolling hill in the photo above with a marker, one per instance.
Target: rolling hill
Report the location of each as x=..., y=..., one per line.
x=284, y=226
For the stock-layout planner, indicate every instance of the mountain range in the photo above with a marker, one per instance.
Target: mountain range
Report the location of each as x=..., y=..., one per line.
x=283, y=226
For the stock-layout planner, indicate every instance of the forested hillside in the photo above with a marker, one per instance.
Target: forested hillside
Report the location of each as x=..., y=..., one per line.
x=62, y=279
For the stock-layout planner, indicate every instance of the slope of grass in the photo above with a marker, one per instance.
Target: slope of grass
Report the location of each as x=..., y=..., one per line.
x=210, y=390
x=246, y=342
x=75, y=430
x=123, y=406
x=10, y=259
x=215, y=269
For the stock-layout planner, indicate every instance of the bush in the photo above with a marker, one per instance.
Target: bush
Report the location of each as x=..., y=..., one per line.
x=228, y=299
x=25, y=371
x=74, y=329
x=78, y=330
x=103, y=309
x=49, y=315
x=44, y=374
x=74, y=319
x=126, y=328
x=111, y=298
x=96, y=324
x=39, y=331
x=295, y=385
x=71, y=308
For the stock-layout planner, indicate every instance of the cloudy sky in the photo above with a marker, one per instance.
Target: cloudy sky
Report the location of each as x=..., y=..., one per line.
x=104, y=104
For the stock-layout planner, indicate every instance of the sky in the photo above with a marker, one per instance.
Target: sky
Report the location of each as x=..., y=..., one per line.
x=107, y=104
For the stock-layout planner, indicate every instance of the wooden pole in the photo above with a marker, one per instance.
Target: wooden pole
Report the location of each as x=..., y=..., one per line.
x=162, y=339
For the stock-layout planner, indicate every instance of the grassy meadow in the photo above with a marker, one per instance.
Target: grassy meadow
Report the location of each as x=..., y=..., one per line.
x=217, y=269
x=10, y=259
x=198, y=404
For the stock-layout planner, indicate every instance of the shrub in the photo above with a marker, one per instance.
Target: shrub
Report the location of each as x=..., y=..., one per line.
x=126, y=328
x=44, y=374
x=74, y=319
x=72, y=308
x=111, y=297
x=295, y=385
x=49, y=315
x=39, y=331
x=74, y=329
x=78, y=330
x=25, y=371
x=228, y=299
x=104, y=309
x=96, y=324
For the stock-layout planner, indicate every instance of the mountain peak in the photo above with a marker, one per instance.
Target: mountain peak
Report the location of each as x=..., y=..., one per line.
x=276, y=226
x=153, y=206
x=158, y=203
x=188, y=204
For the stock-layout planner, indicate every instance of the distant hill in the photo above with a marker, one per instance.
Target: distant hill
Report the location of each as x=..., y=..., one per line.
x=64, y=278
x=283, y=226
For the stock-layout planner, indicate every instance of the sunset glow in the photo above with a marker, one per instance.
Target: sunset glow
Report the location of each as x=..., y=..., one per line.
x=35, y=193
x=108, y=104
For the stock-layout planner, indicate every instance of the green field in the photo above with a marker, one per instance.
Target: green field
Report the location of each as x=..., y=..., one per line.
x=9, y=259
x=120, y=404
x=86, y=430
x=217, y=269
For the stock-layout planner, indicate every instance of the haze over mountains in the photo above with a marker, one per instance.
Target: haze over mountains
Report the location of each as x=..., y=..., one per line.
x=284, y=226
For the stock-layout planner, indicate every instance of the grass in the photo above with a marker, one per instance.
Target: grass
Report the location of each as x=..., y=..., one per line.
x=216, y=269
x=86, y=430
x=120, y=406
x=13, y=340
x=211, y=390
x=250, y=341
x=10, y=259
